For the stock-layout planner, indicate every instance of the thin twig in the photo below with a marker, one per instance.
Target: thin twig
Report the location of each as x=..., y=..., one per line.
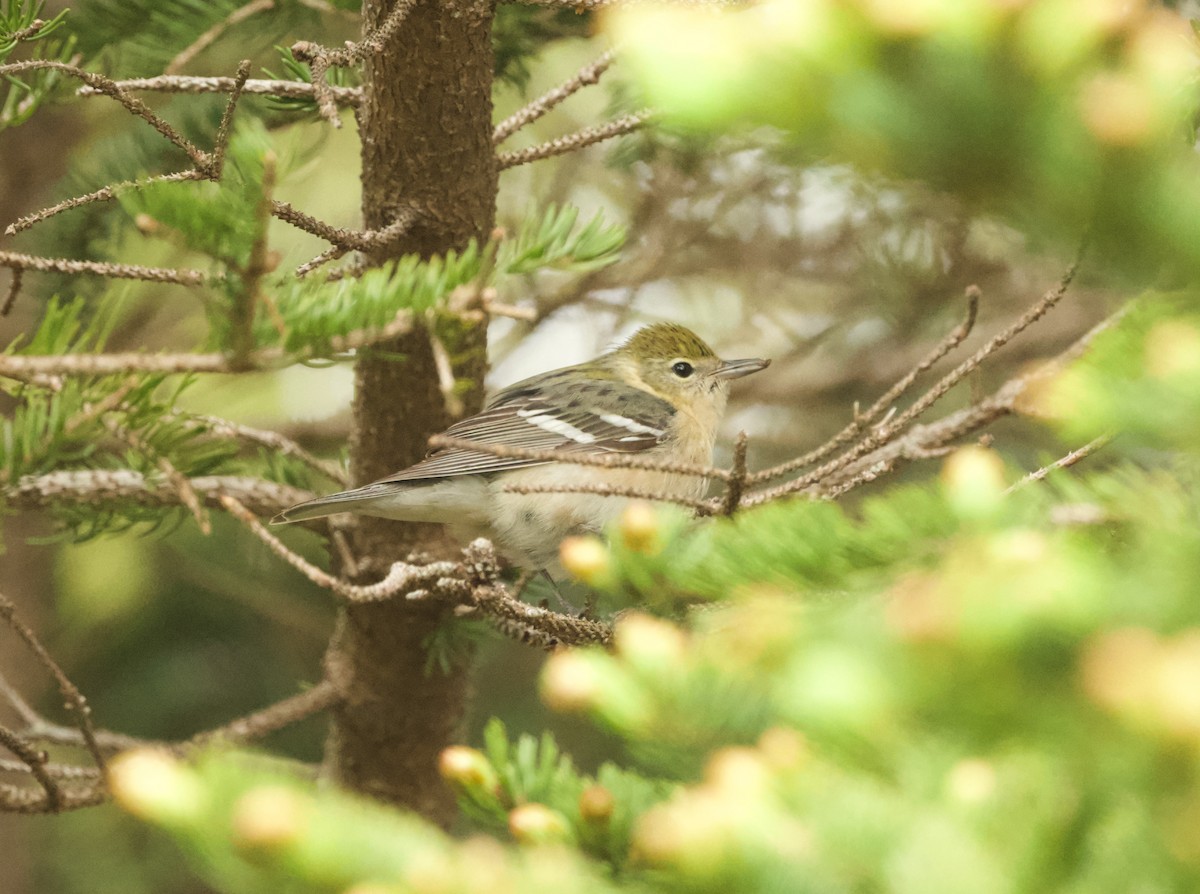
x=280, y=715
x=36, y=761
x=861, y=420
x=445, y=374
x=273, y=440
x=18, y=704
x=889, y=431
x=923, y=441
x=109, y=87
x=402, y=576
x=321, y=59
x=1063, y=462
x=102, y=487
x=207, y=38
x=737, y=476
x=16, y=260
x=345, y=96
x=589, y=74
x=15, y=799
x=578, y=140
x=104, y=194
x=14, y=289
x=75, y=700
x=55, y=771
x=221, y=142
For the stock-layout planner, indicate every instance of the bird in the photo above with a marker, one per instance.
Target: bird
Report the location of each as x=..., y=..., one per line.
x=660, y=395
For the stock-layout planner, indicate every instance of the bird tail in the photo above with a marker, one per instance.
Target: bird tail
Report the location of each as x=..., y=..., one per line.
x=345, y=501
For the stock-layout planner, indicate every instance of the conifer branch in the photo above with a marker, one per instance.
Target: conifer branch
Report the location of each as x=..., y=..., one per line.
x=581, y=6
x=17, y=260
x=55, y=771
x=578, y=140
x=104, y=194
x=281, y=444
x=343, y=240
x=586, y=76
x=183, y=488
x=321, y=59
x=206, y=165
x=108, y=87
x=344, y=96
x=99, y=487
x=401, y=577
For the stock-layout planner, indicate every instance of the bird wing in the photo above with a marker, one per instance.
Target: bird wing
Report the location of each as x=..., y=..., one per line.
x=595, y=417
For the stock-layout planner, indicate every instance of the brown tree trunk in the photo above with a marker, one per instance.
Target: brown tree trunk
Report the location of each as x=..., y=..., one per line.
x=425, y=128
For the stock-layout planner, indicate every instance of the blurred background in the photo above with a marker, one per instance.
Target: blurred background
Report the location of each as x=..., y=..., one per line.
x=843, y=280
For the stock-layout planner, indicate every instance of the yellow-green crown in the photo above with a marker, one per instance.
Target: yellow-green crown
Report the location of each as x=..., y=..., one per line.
x=666, y=341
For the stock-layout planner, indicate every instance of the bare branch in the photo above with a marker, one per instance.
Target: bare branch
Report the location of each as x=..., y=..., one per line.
x=737, y=476
x=104, y=194
x=20, y=261
x=345, y=96
x=924, y=441
x=1063, y=462
x=578, y=140
x=445, y=375
x=15, y=799
x=209, y=37
x=178, y=481
x=275, y=717
x=952, y=340
x=343, y=240
x=35, y=761
x=24, y=366
x=55, y=771
x=401, y=577
x=273, y=440
x=74, y=698
x=321, y=59
x=885, y=433
x=104, y=487
x=108, y=86
x=589, y=74
x=14, y=289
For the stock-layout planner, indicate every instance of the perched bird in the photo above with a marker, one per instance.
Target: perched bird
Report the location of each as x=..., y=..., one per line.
x=660, y=395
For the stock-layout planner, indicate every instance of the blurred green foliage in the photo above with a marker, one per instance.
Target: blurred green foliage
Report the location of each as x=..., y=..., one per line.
x=1067, y=116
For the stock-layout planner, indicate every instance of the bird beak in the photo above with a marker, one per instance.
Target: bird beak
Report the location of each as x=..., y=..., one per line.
x=735, y=369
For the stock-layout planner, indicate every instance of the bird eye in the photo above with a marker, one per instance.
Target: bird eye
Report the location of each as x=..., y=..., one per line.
x=683, y=369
